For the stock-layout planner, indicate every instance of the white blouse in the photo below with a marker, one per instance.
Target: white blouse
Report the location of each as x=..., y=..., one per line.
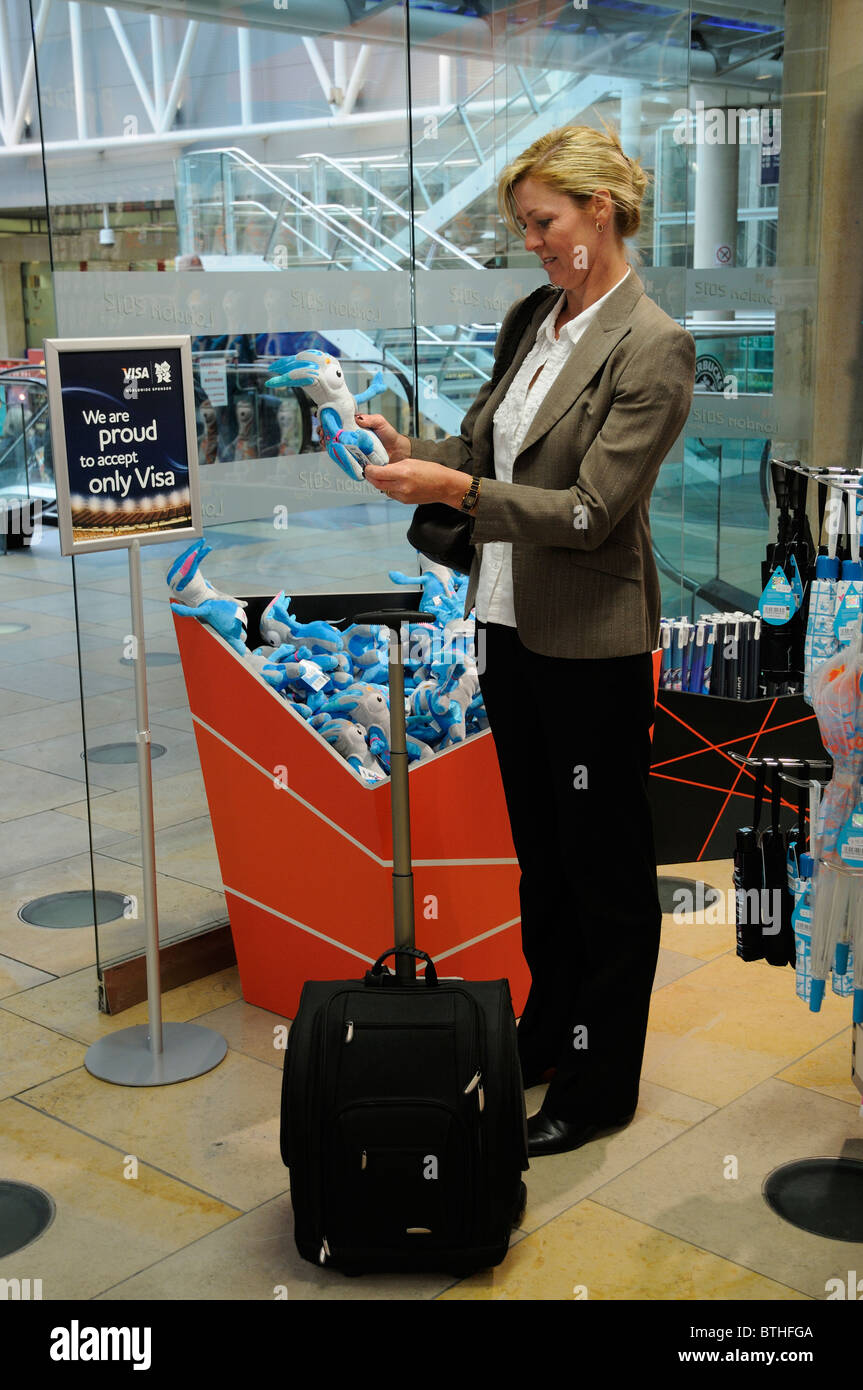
x=512, y=420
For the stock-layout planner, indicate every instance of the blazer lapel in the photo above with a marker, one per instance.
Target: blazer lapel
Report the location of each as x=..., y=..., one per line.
x=596, y=343
x=485, y=463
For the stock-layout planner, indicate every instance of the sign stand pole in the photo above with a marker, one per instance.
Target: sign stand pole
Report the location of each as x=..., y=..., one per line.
x=153, y=1053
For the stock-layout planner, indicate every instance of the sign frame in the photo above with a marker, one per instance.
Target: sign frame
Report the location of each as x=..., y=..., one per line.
x=115, y=348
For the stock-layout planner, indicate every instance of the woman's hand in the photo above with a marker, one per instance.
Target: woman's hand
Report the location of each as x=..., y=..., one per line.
x=397, y=445
x=417, y=480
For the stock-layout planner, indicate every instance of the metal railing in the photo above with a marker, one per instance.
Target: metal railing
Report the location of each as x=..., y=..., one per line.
x=26, y=465
x=329, y=217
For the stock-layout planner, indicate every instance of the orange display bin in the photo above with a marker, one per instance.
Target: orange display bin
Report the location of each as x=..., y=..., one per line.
x=305, y=846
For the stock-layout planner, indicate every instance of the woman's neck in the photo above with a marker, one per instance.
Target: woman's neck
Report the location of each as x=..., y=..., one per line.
x=577, y=300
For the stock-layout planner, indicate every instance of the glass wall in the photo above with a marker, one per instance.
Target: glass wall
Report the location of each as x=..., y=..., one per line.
x=317, y=175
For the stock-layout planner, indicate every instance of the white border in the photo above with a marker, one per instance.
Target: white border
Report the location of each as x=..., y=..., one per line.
x=54, y=348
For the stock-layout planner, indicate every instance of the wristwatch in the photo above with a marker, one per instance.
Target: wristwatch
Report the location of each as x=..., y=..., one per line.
x=469, y=501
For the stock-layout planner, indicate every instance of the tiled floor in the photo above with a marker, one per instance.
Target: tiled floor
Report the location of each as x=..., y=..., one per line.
x=739, y=1078
x=179, y=1192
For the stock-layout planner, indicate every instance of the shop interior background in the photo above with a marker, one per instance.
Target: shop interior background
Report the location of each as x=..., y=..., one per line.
x=275, y=176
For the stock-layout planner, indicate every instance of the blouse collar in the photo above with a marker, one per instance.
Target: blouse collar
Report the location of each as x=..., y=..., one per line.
x=580, y=322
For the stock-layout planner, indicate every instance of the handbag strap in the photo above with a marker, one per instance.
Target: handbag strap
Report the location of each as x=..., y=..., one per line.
x=509, y=347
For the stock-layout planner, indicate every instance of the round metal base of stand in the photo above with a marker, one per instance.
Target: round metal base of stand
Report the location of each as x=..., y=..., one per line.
x=700, y=894
x=72, y=910
x=125, y=1058
x=155, y=659
x=25, y=1213
x=121, y=752
x=821, y=1195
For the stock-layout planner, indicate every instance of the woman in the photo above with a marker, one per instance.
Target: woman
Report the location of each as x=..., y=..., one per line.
x=557, y=463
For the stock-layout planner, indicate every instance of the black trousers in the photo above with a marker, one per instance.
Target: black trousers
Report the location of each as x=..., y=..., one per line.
x=573, y=744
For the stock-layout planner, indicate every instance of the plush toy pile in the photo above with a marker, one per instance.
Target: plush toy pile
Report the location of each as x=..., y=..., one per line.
x=338, y=679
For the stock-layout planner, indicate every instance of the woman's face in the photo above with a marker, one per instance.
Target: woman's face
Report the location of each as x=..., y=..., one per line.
x=558, y=231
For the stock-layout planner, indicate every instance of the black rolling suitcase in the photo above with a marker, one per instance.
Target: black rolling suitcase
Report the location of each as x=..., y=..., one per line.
x=403, y=1117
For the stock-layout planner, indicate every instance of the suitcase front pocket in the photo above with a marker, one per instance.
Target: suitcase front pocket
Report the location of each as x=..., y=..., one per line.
x=400, y=1177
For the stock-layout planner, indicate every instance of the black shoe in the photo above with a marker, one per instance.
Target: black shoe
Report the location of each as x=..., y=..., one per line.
x=547, y=1136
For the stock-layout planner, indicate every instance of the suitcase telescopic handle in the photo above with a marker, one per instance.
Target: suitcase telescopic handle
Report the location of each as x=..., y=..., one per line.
x=378, y=967
x=403, y=879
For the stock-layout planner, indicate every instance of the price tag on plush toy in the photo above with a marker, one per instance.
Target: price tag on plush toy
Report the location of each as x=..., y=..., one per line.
x=850, y=842
x=314, y=676
x=778, y=603
x=847, y=621
x=367, y=774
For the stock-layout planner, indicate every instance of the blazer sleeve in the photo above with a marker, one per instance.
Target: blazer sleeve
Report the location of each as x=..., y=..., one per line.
x=650, y=406
x=456, y=451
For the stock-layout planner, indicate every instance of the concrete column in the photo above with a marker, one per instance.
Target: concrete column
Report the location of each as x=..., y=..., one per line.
x=716, y=160
x=13, y=329
x=801, y=176
x=630, y=118
x=444, y=66
x=837, y=418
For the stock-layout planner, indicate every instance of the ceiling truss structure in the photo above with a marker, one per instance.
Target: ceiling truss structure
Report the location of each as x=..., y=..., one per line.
x=161, y=92
x=160, y=73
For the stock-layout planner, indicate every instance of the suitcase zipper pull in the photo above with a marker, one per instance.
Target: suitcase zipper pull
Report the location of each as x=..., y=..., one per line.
x=364, y=1160
x=324, y=1252
x=349, y=1030
x=475, y=1084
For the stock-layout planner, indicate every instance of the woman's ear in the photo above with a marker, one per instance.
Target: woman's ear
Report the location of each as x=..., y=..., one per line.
x=602, y=205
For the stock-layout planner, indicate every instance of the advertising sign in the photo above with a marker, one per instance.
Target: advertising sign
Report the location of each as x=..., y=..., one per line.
x=213, y=376
x=125, y=443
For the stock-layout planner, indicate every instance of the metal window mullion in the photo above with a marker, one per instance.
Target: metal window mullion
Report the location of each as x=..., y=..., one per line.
x=158, y=60
x=13, y=134
x=244, y=63
x=134, y=70
x=6, y=84
x=169, y=110
x=76, y=40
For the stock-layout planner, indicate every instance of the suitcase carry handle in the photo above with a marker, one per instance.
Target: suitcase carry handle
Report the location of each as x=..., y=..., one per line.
x=377, y=969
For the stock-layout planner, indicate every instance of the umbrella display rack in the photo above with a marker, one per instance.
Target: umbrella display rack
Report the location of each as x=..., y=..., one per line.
x=823, y=1195
x=695, y=784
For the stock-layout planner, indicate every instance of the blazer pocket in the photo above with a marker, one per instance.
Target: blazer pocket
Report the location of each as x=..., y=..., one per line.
x=612, y=557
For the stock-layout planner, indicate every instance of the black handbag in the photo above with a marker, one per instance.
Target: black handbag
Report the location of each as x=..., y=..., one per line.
x=438, y=531
x=444, y=535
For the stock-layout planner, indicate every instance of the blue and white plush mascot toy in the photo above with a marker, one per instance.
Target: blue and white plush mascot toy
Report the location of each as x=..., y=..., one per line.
x=322, y=378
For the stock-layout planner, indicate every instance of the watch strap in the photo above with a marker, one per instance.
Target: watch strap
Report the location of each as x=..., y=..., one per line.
x=468, y=502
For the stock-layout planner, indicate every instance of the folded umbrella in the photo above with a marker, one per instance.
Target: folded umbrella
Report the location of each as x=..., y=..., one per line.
x=837, y=703
x=821, y=641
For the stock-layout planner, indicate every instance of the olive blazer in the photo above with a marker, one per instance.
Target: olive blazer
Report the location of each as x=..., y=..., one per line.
x=584, y=578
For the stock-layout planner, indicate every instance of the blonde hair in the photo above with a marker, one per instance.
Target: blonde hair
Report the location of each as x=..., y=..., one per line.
x=577, y=160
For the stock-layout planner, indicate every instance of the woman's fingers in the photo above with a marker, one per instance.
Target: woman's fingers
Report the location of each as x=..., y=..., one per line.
x=416, y=480
x=375, y=473
x=394, y=443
